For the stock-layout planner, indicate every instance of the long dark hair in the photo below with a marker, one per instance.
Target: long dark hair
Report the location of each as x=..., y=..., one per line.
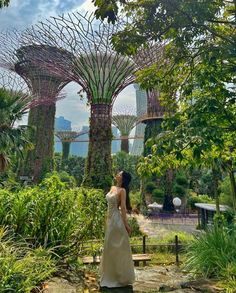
x=126, y=178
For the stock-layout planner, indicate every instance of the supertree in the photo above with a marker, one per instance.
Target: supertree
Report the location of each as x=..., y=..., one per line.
x=67, y=137
x=45, y=87
x=125, y=121
x=102, y=73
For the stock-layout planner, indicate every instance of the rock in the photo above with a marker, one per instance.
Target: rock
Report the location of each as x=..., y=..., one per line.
x=202, y=285
x=58, y=285
x=167, y=288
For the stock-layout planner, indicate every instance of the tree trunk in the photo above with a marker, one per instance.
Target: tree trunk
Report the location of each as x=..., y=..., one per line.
x=125, y=144
x=168, y=205
x=65, y=150
x=233, y=186
x=98, y=169
x=152, y=129
x=216, y=178
x=39, y=161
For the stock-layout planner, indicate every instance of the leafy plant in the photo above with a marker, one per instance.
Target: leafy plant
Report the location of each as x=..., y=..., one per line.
x=74, y=166
x=22, y=268
x=202, y=198
x=52, y=216
x=158, y=194
x=211, y=253
x=226, y=192
x=150, y=186
x=123, y=161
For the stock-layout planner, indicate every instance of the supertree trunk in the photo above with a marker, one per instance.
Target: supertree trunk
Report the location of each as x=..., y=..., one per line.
x=65, y=150
x=39, y=161
x=98, y=169
x=125, y=145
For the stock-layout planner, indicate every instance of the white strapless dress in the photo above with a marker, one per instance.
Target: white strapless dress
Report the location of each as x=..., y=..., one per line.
x=116, y=268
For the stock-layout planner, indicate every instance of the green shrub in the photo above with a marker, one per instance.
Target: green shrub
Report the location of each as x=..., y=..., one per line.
x=123, y=161
x=229, y=278
x=226, y=196
x=158, y=194
x=68, y=179
x=135, y=230
x=74, y=166
x=149, y=187
x=179, y=190
x=182, y=180
x=22, y=268
x=135, y=199
x=52, y=216
x=212, y=252
x=198, y=199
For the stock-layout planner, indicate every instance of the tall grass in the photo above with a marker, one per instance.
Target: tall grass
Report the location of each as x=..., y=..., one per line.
x=22, y=268
x=52, y=216
x=212, y=254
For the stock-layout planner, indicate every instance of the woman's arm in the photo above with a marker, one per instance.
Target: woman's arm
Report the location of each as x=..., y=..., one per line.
x=123, y=209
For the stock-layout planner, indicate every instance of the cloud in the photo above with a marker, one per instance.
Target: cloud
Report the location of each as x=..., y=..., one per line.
x=23, y=13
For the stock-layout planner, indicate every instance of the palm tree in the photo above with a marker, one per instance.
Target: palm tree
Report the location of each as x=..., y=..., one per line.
x=13, y=140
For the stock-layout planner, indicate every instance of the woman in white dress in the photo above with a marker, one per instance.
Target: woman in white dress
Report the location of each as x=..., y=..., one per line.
x=117, y=268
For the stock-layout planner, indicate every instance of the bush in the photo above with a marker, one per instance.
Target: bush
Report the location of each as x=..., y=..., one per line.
x=52, y=216
x=64, y=177
x=211, y=253
x=135, y=200
x=74, y=166
x=226, y=196
x=158, y=194
x=149, y=187
x=198, y=199
x=123, y=161
x=179, y=190
x=22, y=268
x=135, y=230
x=181, y=180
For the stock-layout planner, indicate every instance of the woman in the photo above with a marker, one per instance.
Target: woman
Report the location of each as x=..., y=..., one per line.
x=117, y=268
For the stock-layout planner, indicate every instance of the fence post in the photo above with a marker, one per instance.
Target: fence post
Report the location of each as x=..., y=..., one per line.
x=144, y=248
x=176, y=250
x=144, y=244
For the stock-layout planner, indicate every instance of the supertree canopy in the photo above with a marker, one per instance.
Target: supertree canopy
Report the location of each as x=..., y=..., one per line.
x=67, y=137
x=125, y=122
x=101, y=71
x=46, y=87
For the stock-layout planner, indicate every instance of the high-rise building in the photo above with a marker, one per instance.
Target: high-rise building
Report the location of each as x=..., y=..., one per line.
x=61, y=124
x=141, y=106
x=81, y=148
x=115, y=145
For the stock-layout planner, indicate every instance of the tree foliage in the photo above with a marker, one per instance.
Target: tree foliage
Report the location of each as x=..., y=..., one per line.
x=13, y=140
x=4, y=3
x=198, y=68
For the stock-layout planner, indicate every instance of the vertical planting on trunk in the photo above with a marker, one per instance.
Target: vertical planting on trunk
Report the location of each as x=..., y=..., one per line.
x=40, y=160
x=98, y=169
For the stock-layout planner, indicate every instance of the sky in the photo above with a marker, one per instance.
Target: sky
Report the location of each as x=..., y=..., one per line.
x=23, y=13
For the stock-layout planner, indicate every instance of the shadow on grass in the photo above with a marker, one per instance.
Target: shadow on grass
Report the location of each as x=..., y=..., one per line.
x=127, y=289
